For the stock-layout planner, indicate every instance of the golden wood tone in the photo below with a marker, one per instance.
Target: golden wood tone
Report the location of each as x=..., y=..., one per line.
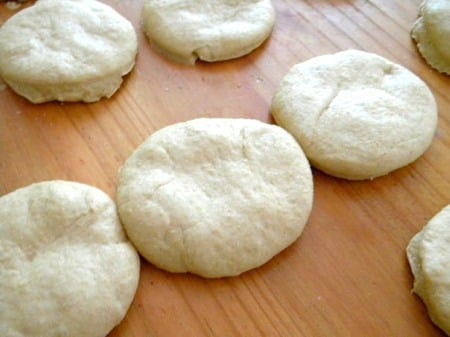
x=347, y=275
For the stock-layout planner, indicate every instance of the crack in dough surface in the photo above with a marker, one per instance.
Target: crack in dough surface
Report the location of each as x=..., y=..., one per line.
x=66, y=50
x=217, y=30
x=239, y=192
x=356, y=114
x=66, y=266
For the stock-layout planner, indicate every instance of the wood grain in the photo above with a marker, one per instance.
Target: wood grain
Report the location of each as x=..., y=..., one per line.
x=347, y=275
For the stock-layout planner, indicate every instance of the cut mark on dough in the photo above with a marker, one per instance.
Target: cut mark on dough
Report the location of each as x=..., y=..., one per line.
x=322, y=112
x=70, y=228
x=162, y=185
x=169, y=155
x=244, y=147
x=328, y=104
x=204, y=50
x=389, y=70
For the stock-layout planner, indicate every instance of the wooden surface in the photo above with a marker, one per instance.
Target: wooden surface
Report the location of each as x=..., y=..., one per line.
x=347, y=275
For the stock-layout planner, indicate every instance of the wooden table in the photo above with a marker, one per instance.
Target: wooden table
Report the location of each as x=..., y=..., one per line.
x=347, y=275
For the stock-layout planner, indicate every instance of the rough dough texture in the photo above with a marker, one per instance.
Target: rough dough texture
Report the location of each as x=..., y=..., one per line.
x=431, y=32
x=429, y=255
x=66, y=50
x=215, y=197
x=209, y=30
x=356, y=114
x=66, y=267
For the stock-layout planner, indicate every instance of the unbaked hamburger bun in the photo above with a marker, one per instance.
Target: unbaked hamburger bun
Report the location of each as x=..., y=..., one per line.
x=429, y=255
x=215, y=197
x=356, y=115
x=66, y=50
x=431, y=32
x=209, y=30
x=66, y=266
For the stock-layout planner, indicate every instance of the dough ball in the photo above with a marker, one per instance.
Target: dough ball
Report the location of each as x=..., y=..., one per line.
x=215, y=197
x=66, y=50
x=429, y=255
x=209, y=30
x=355, y=114
x=431, y=32
x=66, y=267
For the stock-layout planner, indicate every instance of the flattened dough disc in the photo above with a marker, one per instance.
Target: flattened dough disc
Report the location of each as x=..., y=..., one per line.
x=215, y=197
x=66, y=50
x=66, y=267
x=429, y=257
x=431, y=32
x=356, y=115
x=209, y=30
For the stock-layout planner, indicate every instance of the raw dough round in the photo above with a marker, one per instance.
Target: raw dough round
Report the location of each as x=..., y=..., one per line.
x=215, y=197
x=66, y=267
x=356, y=114
x=66, y=50
x=429, y=255
x=431, y=32
x=209, y=30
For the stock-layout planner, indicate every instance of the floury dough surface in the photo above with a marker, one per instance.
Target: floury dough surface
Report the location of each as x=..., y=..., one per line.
x=429, y=255
x=431, y=32
x=215, y=197
x=216, y=30
x=66, y=50
x=356, y=115
x=66, y=266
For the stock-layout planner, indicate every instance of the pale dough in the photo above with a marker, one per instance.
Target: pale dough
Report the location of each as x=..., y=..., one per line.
x=356, y=115
x=209, y=30
x=429, y=255
x=431, y=32
x=66, y=267
x=66, y=50
x=215, y=197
